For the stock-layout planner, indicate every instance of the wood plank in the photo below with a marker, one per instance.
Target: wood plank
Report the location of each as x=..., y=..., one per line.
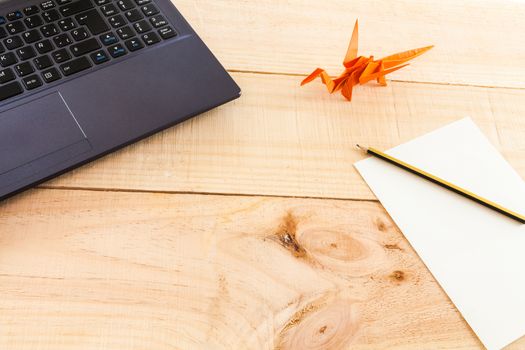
x=93, y=270
x=296, y=36
x=279, y=139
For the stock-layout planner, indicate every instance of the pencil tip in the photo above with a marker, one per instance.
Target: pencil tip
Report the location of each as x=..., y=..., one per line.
x=361, y=148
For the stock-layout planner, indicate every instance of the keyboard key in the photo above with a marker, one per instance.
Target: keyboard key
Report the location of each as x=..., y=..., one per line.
x=167, y=33
x=46, y=5
x=62, y=40
x=66, y=24
x=158, y=21
x=26, y=53
x=93, y=20
x=63, y=2
x=142, y=26
x=13, y=16
x=42, y=62
x=32, y=82
x=125, y=5
x=24, y=69
x=49, y=30
x=2, y=20
x=51, y=75
x=99, y=57
x=142, y=2
x=75, y=66
x=32, y=36
x=31, y=10
x=125, y=33
x=7, y=59
x=44, y=46
x=149, y=10
x=102, y=2
x=80, y=34
x=15, y=27
x=33, y=21
x=117, y=21
x=117, y=51
x=134, y=44
x=3, y=32
x=61, y=56
x=6, y=75
x=13, y=42
x=108, y=39
x=133, y=15
x=51, y=15
x=150, y=38
x=84, y=47
x=109, y=10
x=10, y=90
x=75, y=7
x=2, y=49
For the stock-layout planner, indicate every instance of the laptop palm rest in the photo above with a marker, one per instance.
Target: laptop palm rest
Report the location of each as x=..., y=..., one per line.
x=37, y=135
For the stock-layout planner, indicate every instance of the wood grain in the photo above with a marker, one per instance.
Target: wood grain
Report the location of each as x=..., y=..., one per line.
x=296, y=36
x=158, y=271
x=280, y=139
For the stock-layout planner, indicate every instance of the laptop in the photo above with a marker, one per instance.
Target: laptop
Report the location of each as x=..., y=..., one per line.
x=82, y=78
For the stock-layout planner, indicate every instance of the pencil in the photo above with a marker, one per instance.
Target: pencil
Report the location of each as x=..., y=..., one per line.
x=443, y=183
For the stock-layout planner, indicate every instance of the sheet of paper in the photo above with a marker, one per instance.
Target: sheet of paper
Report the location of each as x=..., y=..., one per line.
x=476, y=254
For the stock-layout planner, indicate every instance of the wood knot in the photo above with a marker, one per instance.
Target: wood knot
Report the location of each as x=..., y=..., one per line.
x=381, y=226
x=287, y=236
x=393, y=247
x=326, y=245
x=398, y=276
x=321, y=326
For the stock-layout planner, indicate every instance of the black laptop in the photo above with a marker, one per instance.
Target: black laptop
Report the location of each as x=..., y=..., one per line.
x=82, y=78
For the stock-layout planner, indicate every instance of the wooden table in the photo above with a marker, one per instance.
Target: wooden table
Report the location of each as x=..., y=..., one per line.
x=247, y=227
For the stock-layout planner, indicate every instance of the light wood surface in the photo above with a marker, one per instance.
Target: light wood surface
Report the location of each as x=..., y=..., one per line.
x=280, y=139
x=247, y=227
x=157, y=271
x=477, y=42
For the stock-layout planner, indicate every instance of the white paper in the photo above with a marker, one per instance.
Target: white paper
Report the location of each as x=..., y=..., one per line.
x=475, y=253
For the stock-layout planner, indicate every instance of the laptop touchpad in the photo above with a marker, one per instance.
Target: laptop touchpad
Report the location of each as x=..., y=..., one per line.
x=32, y=131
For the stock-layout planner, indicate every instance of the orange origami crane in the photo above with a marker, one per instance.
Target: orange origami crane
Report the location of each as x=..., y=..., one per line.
x=360, y=70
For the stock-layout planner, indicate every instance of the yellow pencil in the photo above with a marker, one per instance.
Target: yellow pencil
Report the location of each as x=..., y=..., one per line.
x=443, y=183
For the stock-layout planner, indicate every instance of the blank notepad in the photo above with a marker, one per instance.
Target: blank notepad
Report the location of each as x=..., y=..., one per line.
x=476, y=254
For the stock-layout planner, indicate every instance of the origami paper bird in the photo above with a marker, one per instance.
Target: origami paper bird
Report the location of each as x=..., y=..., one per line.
x=360, y=70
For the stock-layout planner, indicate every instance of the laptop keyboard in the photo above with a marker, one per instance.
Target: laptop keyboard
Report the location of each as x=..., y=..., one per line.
x=44, y=43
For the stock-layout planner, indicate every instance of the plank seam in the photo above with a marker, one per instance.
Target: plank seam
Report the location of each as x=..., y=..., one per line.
x=225, y=194
x=391, y=80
